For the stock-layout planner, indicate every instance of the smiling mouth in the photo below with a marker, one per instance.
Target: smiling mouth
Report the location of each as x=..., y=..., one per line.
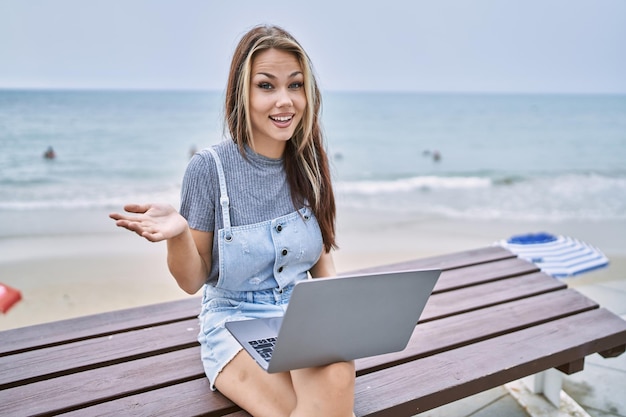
x=281, y=119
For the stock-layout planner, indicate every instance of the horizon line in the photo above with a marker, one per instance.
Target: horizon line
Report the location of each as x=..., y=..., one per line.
x=390, y=91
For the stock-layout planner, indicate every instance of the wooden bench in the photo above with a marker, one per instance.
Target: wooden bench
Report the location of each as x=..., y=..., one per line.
x=492, y=319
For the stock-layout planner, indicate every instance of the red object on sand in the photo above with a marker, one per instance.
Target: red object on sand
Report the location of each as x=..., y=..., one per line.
x=8, y=297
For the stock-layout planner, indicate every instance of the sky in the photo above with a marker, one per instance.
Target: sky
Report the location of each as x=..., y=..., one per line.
x=495, y=46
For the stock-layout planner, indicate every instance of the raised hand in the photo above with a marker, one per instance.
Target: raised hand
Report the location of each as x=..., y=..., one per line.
x=154, y=222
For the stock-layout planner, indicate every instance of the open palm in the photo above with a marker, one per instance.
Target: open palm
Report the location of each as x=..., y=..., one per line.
x=154, y=222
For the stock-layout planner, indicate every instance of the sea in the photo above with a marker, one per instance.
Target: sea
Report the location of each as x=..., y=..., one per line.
x=406, y=155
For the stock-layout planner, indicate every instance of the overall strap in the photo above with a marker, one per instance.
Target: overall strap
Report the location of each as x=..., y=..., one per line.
x=224, y=202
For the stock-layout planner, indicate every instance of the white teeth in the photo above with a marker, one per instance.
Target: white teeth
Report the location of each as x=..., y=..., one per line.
x=281, y=118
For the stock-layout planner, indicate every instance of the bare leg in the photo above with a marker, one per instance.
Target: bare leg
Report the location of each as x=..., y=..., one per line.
x=324, y=391
x=254, y=390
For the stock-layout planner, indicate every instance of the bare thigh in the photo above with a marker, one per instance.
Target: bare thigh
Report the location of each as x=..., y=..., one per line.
x=327, y=390
x=256, y=391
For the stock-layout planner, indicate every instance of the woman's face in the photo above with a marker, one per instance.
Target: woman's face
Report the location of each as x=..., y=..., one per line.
x=277, y=100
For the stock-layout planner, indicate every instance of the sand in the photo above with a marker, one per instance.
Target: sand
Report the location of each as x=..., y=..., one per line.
x=70, y=264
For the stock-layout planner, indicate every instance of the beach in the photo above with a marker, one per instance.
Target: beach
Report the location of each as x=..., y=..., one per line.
x=509, y=164
x=76, y=263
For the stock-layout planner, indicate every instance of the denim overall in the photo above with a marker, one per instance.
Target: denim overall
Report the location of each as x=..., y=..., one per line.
x=258, y=266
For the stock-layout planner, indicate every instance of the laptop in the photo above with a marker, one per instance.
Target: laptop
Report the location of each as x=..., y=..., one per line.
x=339, y=319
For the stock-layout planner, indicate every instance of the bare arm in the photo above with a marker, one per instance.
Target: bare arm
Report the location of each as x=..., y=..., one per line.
x=325, y=267
x=189, y=259
x=188, y=251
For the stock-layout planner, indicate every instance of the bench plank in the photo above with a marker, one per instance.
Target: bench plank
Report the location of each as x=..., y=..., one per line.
x=45, y=363
x=454, y=279
x=96, y=325
x=446, y=262
x=421, y=385
x=74, y=391
x=495, y=292
x=428, y=339
x=168, y=401
x=433, y=337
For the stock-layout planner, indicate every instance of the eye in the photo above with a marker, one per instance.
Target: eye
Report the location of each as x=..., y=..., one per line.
x=265, y=85
x=297, y=85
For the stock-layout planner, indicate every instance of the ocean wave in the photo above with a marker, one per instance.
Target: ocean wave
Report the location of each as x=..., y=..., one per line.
x=412, y=184
x=26, y=181
x=89, y=198
x=483, y=180
x=581, y=196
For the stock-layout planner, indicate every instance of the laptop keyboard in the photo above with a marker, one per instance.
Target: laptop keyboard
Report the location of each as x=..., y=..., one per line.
x=264, y=347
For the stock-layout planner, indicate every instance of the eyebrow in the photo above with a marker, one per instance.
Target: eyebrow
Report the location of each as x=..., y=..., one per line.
x=273, y=77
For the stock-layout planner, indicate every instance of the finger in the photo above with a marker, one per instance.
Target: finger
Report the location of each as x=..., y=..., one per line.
x=124, y=225
x=135, y=227
x=137, y=208
x=152, y=237
x=117, y=216
x=125, y=216
x=121, y=222
x=130, y=225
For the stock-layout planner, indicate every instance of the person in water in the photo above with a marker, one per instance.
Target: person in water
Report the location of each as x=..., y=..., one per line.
x=49, y=153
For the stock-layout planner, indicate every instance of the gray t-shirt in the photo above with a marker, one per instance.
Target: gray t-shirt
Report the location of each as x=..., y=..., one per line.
x=257, y=189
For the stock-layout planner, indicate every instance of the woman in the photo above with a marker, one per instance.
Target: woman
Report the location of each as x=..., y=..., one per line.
x=257, y=215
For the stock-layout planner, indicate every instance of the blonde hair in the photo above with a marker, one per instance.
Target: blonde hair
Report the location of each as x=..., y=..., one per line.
x=305, y=159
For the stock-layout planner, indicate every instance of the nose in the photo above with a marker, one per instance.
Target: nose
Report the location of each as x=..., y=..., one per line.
x=283, y=99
